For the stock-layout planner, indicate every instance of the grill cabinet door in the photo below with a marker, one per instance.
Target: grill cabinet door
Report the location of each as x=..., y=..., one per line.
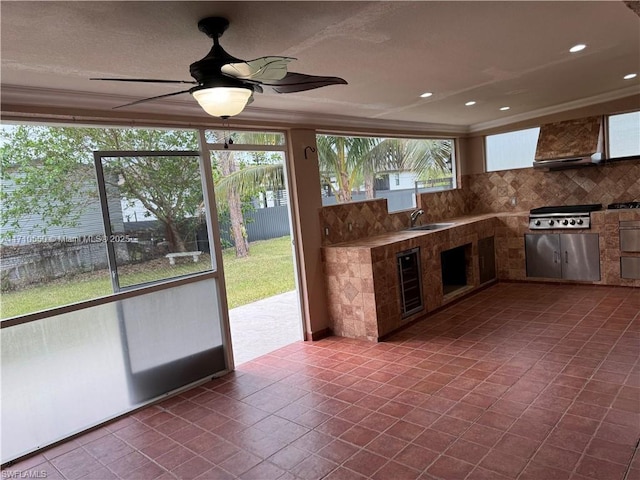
x=543, y=255
x=580, y=256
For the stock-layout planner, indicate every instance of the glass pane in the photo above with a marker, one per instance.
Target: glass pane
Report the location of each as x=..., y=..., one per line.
x=66, y=373
x=51, y=221
x=251, y=195
x=511, y=150
x=54, y=249
x=157, y=217
x=245, y=137
x=624, y=135
x=362, y=168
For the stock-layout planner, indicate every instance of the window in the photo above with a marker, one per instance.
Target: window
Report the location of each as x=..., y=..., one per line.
x=506, y=151
x=359, y=168
x=624, y=135
x=251, y=192
x=55, y=250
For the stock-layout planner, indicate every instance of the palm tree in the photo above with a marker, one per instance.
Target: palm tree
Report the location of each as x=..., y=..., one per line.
x=233, y=183
x=353, y=161
x=345, y=164
x=430, y=158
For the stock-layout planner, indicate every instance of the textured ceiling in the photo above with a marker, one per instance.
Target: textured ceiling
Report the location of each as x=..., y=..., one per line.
x=496, y=53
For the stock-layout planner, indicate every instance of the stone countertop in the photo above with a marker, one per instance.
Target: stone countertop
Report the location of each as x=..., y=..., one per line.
x=400, y=235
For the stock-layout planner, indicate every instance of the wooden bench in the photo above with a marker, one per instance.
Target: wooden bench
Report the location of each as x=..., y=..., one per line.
x=172, y=256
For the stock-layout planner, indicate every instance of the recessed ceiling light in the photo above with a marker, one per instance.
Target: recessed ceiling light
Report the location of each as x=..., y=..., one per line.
x=504, y=108
x=629, y=76
x=426, y=94
x=468, y=104
x=577, y=48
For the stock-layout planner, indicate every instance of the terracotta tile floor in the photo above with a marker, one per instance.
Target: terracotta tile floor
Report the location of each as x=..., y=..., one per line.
x=517, y=382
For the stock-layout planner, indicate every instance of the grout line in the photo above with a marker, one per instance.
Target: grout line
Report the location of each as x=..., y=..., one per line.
x=627, y=472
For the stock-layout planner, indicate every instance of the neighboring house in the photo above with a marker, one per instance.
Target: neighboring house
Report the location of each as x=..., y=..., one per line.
x=399, y=188
x=38, y=251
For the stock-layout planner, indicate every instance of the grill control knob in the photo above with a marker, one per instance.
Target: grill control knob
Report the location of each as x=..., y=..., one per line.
x=551, y=222
x=537, y=223
x=565, y=222
x=572, y=222
x=580, y=222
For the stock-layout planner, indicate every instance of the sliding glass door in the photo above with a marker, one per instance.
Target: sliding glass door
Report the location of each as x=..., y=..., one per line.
x=136, y=306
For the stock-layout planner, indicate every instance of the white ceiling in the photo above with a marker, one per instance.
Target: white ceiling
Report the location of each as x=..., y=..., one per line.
x=497, y=53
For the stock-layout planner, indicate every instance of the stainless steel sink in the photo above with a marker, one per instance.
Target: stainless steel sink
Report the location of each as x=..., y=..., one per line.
x=431, y=226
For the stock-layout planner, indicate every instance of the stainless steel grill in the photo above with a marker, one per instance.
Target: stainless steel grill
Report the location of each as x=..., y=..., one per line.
x=562, y=217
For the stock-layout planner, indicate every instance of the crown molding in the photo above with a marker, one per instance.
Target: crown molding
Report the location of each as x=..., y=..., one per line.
x=563, y=107
x=22, y=99
x=31, y=99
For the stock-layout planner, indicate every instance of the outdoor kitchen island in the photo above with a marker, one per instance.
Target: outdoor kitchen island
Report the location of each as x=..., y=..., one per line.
x=363, y=283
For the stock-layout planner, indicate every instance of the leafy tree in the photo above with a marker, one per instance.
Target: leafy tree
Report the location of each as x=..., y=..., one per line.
x=51, y=169
x=168, y=187
x=348, y=162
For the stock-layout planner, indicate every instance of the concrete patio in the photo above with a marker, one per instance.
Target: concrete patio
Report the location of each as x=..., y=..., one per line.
x=264, y=326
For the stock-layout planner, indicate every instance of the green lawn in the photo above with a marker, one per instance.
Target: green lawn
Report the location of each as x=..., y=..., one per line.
x=266, y=272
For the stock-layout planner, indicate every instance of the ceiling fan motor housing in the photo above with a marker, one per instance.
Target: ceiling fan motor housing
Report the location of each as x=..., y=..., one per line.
x=210, y=66
x=208, y=71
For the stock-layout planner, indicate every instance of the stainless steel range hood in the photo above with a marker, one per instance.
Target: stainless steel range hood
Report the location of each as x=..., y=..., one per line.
x=570, y=144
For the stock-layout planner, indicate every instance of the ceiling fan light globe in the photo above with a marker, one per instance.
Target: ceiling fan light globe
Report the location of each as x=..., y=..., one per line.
x=222, y=101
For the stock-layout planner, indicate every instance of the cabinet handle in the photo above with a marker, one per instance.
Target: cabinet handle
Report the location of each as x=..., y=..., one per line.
x=566, y=256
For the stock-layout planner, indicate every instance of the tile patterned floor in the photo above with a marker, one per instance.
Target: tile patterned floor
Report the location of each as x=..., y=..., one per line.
x=528, y=382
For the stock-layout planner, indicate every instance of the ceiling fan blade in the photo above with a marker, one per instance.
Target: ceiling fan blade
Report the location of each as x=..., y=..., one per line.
x=299, y=82
x=152, y=98
x=260, y=69
x=144, y=80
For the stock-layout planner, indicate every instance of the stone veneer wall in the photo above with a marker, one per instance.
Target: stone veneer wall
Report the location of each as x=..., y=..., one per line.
x=531, y=188
x=371, y=217
x=446, y=204
x=351, y=221
x=350, y=292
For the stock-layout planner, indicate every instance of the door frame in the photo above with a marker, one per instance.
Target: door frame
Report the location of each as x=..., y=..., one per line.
x=213, y=232
x=207, y=148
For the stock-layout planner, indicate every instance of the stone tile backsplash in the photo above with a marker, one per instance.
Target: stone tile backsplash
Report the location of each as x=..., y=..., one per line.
x=504, y=191
x=524, y=189
x=351, y=221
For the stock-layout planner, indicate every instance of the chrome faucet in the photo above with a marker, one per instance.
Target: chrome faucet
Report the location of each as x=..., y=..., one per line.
x=415, y=214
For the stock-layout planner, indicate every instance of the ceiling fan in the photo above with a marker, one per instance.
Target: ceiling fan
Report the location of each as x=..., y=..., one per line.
x=224, y=84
